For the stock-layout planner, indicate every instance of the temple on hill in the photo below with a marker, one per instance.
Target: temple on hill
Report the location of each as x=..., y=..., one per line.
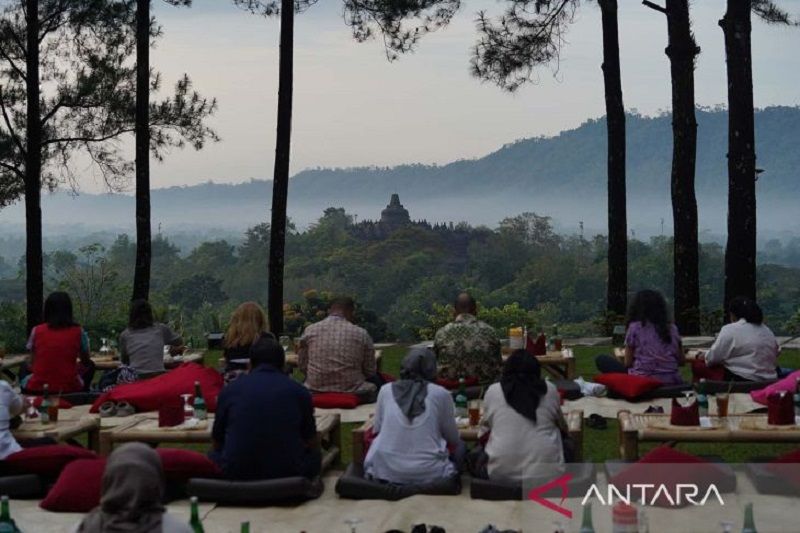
x=395, y=215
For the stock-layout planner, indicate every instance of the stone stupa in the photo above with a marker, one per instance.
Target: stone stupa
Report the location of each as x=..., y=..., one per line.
x=395, y=215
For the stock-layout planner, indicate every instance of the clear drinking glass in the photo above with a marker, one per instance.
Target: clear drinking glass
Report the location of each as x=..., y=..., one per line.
x=188, y=410
x=286, y=342
x=104, y=345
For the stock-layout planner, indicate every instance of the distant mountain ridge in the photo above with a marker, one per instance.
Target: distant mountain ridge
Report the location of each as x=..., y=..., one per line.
x=562, y=176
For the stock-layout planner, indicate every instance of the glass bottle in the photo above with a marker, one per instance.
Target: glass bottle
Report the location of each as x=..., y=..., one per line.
x=199, y=404
x=587, y=526
x=44, y=407
x=749, y=521
x=461, y=399
x=7, y=524
x=194, y=521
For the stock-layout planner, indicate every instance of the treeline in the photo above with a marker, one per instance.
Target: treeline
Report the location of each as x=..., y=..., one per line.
x=520, y=271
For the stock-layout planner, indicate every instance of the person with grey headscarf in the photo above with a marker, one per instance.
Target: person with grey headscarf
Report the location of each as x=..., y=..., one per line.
x=133, y=490
x=415, y=425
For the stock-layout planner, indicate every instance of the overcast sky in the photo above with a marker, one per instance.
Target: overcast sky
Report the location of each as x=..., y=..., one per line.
x=352, y=107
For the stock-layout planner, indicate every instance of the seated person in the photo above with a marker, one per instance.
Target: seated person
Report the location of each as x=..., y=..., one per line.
x=746, y=348
x=467, y=347
x=264, y=426
x=653, y=346
x=55, y=347
x=142, y=343
x=522, y=415
x=415, y=424
x=336, y=355
x=10, y=406
x=132, y=494
x=248, y=324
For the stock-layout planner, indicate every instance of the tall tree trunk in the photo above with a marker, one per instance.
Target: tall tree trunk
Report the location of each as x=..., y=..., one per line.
x=34, y=276
x=617, y=288
x=280, y=183
x=682, y=51
x=740, y=253
x=141, y=276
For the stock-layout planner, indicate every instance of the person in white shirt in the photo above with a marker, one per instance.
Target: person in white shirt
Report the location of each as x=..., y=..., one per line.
x=746, y=347
x=10, y=406
x=415, y=424
x=522, y=415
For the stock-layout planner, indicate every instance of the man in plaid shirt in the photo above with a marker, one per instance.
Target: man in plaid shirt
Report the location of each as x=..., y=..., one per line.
x=336, y=355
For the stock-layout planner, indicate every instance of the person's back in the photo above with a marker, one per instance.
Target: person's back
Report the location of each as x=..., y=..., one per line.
x=263, y=425
x=750, y=351
x=10, y=406
x=143, y=348
x=335, y=354
x=467, y=347
x=55, y=358
x=408, y=452
x=653, y=356
x=746, y=347
x=516, y=443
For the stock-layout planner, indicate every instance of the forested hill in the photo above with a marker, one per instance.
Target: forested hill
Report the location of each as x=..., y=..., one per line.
x=575, y=161
x=562, y=176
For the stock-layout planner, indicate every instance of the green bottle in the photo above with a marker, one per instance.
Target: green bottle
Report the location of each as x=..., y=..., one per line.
x=461, y=399
x=749, y=521
x=7, y=524
x=200, y=410
x=44, y=407
x=194, y=521
x=586, y=526
x=245, y=527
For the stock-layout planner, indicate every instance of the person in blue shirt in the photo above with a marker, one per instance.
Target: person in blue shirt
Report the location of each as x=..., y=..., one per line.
x=264, y=426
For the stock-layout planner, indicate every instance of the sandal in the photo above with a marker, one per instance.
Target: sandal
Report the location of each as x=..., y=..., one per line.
x=596, y=421
x=125, y=409
x=654, y=409
x=108, y=409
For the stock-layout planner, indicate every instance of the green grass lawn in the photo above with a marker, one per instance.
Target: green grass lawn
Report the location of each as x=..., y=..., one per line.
x=599, y=445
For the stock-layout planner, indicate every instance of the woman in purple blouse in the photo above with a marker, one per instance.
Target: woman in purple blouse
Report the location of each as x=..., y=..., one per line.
x=652, y=344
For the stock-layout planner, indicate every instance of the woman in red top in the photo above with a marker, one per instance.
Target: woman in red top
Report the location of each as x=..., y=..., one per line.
x=55, y=346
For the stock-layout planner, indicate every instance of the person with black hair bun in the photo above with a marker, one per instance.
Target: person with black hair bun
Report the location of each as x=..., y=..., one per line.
x=746, y=347
x=55, y=347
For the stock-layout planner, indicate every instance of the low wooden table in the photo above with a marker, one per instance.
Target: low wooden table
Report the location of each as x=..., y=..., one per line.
x=740, y=428
x=690, y=353
x=144, y=428
x=554, y=363
x=108, y=362
x=292, y=360
x=470, y=434
x=69, y=425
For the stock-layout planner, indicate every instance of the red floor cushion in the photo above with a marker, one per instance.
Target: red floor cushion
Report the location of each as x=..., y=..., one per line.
x=335, y=400
x=452, y=384
x=790, y=457
x=700, y=370
x=181, y=465
x=786, y=384
x=787, y=466
x=149, y=394
x=45, y=461
x=628, y=386
x=669, y=467
x=78, y=488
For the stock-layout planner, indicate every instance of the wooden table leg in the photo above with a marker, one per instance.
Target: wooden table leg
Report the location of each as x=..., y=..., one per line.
x=94, y=439
x=628, y=437
x=570, y=371
x=105, y=444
